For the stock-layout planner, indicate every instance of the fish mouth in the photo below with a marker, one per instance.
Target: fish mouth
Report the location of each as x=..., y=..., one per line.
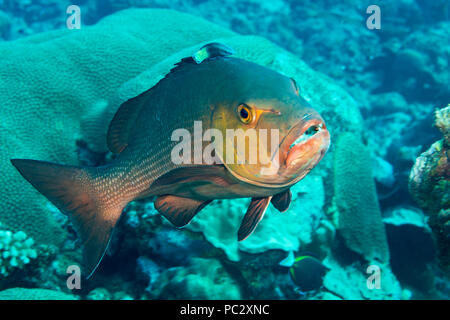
x=300, y=150
x=305, y=146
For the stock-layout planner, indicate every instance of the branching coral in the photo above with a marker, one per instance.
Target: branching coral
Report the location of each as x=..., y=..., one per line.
x=16, y=250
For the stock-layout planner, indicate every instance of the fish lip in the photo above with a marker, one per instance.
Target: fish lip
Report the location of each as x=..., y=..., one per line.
x=318, y=143
x=297, y=132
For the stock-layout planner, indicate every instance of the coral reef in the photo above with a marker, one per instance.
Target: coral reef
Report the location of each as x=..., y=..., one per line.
x=351, y=282
x=34, y=294
x=5, y=25
x=64, y=80
x=358, y=213
x=23, y=263
x=147, y=270
x=426, y=64
x=203, y=279
x=442, y=122
x=287, y=231
x=16, y=250
x=429, y=184
x=99, y=294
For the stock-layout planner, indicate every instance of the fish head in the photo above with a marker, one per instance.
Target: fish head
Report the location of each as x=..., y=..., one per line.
x=272, y=136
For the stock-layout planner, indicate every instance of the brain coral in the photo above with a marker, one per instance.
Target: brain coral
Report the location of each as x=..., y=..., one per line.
x=34, y=294
x=359, y=216
x=61, y=86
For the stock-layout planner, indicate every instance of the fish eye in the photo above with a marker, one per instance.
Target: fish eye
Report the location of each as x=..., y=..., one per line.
x=245, y=113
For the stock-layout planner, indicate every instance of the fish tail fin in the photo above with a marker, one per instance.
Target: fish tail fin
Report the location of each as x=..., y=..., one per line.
x=72, y=190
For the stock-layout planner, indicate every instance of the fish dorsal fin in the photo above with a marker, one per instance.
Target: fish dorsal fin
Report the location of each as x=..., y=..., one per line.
x=281, y=201
x=121, y=124
x=211, y=51
x=179, y=211
x=126, y=115
x=253, y=216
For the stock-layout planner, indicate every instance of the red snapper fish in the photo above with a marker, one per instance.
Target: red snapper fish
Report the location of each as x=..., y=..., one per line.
x=213, y=89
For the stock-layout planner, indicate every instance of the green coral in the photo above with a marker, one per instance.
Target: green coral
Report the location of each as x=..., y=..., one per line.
x=34, y=294
x=359, y=217
x=16, y=250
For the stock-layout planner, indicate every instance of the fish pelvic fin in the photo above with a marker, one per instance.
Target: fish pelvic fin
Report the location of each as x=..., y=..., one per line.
x=253, y=216
x=123, y=122
x=72, y=190
x=179, y=211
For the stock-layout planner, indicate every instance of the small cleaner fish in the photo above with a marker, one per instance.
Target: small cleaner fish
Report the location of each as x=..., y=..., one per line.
x=221, y=91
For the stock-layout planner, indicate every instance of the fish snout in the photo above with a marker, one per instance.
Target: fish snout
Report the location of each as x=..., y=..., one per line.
x=305, y=144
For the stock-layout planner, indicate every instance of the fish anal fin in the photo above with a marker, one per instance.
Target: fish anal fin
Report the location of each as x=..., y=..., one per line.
x=253, y=216
x=70, y=189
x=281, y=201
x=178, y=210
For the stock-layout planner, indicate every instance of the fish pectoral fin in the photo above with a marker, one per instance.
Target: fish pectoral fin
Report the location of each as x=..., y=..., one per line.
x=255, y=213
x=210, y=174
x=123, y=122
x=178, y=210
x=281, y=201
